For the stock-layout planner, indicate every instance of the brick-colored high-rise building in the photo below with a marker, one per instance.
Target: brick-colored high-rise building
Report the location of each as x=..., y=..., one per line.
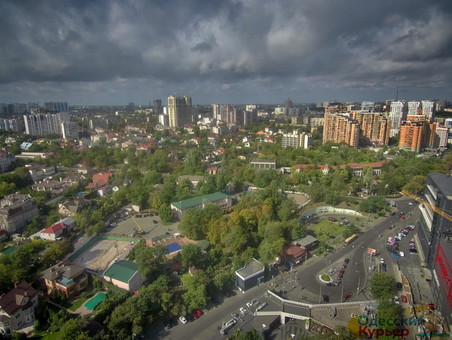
x=416, y=133
x=339, y=127
x=374, y=127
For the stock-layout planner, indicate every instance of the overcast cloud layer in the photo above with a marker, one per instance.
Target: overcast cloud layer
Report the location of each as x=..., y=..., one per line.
x=237, y=51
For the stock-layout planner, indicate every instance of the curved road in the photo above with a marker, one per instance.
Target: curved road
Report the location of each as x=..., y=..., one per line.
x=357, y=271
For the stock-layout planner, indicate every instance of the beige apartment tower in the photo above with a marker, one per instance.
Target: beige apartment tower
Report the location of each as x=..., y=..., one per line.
x=179, y=111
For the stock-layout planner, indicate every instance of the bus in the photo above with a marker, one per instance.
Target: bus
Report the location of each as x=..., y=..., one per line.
x=350, y=239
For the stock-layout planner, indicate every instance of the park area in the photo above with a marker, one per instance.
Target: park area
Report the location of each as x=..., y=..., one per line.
x=326, y=230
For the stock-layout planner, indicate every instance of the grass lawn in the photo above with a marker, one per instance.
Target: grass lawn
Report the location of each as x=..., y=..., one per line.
x=77, y=303
x=325, y=226
x=53, y=336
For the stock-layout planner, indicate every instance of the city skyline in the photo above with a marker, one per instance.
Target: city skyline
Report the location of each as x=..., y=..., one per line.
x=115, y=52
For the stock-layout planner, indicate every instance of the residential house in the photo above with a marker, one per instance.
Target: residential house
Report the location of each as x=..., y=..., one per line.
x=17, y=308
x=105, y=190
x=53, y=232
x=40, y=171
x=16, y=211
x=69, y=279
x=194, y=180
x=72, y=207
x=124, y=274
x=295, y=255
x=309, y=242
x=99, y=180
x=6, y=159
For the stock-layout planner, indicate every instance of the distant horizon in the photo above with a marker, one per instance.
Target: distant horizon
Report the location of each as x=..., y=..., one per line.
x=150, y=104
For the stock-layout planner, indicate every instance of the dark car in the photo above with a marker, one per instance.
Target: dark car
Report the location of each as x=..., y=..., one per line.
x=346, y=296
x=347, y=260
x=332, y=219
x=392, y=213
x=326, y=298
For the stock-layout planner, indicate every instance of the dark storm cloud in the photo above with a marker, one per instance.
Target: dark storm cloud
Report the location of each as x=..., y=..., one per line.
x=222, y=48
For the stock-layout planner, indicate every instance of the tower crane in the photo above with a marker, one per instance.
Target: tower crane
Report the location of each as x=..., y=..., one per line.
x=434, y=208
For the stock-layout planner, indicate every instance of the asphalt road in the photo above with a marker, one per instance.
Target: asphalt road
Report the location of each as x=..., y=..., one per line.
x=356, y=276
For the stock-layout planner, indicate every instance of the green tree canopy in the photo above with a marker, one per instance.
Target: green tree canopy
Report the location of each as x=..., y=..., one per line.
x=382, y=286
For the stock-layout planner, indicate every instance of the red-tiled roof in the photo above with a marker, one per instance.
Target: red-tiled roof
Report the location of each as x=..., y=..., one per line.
x=53, y=229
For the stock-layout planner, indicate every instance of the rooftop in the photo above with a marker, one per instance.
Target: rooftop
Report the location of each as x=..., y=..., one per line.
x=122, y=271
x=443, y=182
x=199, y=200
x=251, y=268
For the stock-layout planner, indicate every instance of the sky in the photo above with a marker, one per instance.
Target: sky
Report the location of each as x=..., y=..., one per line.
x=112, y=52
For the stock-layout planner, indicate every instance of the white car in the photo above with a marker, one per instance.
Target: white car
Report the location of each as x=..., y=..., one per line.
x=183, y=319
x=401, y=253
x=396, y=300
x=382, y=260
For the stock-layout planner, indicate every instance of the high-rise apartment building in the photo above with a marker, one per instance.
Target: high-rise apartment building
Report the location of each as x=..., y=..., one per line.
x=368, y=106
x=414, y=108
x=396, y=115
x=41, y=124
x=428, y=109
x=339, y=127
x=296, y=139
x=441, y=137
x=56, y=106
x=10, y=125
x=69, y=130
x=416, y=133
x=374, y=127
x=179, y=111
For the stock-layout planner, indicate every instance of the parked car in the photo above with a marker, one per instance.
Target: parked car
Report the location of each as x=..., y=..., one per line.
x=382, y=260
x=396, y=300
x=404, y=299
x=183, y=319
x=347, y=260
x=196, y=314
x=332, y=219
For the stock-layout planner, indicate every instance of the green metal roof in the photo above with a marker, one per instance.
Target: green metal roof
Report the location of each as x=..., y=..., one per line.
x=122, y=271
x=197, y=201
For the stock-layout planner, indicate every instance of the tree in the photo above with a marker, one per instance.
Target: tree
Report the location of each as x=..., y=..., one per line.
x=72, y=329
x=373, y=204
x=415, y=185
x=382, y=286
x=223, y=281
x=195, y=295
x=165, y=212
x=190, y=255
x=149, y=260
